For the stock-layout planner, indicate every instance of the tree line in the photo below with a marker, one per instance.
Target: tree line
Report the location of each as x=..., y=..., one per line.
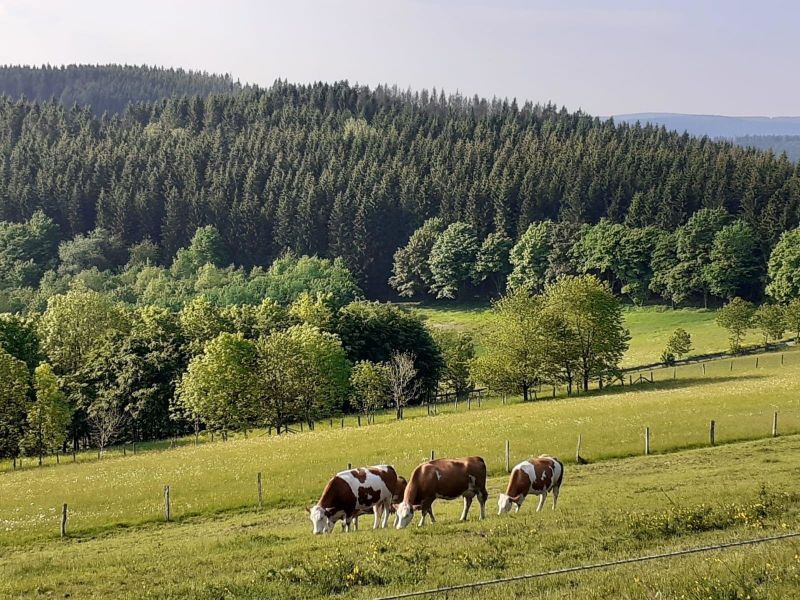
x=338, y=170
x=92, y=369
x=96, y=366
x=712, y=255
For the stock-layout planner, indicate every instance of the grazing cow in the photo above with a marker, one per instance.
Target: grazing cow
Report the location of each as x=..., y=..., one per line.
x=446, y=479
x=355, y=492
x=535, y=476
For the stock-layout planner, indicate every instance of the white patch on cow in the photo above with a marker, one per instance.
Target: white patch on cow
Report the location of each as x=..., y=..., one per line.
x=528, y=469
x=557, y=470
x=503, y=503
x=438, y=475
x=372, y=481
x=404, y=514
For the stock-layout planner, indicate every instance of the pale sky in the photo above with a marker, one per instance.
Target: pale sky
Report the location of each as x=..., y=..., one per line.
x=606, y=57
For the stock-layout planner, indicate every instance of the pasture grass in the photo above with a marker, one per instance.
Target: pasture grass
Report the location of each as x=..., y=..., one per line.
x=650, y=328
x=609, y=510
x=217, y=477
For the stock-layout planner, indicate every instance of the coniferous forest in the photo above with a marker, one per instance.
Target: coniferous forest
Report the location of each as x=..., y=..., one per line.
x=345, y=171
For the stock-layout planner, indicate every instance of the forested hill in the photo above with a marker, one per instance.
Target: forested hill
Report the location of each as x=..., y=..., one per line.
x=108, y=87
x=341, y=170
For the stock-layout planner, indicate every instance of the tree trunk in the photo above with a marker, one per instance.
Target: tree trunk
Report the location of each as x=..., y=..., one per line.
x=525, y=393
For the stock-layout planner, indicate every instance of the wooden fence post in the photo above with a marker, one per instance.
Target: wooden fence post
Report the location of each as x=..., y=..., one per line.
x=781, y=359
x=359, y=420
x=731, y=365
x=652, y=377
x=674, y=373
x=433, y=455
x=260, y=492
x=756, y=362
x=775, y=424
x=704, y=368
x=647, y=440
x=14, y=462
x=578, y=449
x=342, y=422
x=712, y=431
x=508, y=456
x=63, y=521
x=167, y=511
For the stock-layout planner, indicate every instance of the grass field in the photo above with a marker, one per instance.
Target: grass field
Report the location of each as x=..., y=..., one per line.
x=650, y=328
x=608, y=510
x=119, y=542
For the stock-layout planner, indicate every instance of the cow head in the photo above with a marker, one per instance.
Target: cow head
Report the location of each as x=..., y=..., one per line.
x=321, y=519
x=504, y=502
x=404, y=514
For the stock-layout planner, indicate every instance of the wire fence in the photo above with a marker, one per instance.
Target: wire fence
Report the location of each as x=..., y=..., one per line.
x=590, y=567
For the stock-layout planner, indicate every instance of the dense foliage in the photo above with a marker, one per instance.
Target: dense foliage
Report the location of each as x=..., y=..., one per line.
x=108, y=88
x=711, y=255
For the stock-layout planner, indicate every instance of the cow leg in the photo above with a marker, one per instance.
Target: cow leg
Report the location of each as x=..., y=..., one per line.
x=430, y=512
x=422, y=519
x=355, y=523
x=555, y=496
x=385, y=517
x=345, y=525
x=378, y=511
x=467, y=504
x=483, y=496
x=542, y=498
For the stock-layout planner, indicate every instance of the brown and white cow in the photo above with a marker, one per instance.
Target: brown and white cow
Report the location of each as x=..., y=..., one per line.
x=534, y=476
x=397, y=497
x=354, y=492
x=445, y=479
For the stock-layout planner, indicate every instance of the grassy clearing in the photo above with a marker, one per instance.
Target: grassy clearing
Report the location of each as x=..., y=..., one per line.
x=212, y=478
x=650, y=328
x=607, y=510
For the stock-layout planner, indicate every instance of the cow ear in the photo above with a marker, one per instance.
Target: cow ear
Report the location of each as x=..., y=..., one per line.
x=516, y=498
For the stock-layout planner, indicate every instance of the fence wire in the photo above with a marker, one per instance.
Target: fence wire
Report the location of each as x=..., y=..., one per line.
x=591, y=567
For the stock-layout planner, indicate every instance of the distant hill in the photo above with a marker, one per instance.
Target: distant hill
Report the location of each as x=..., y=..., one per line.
x=779, y=134
x=109, y=88
x=717, y=126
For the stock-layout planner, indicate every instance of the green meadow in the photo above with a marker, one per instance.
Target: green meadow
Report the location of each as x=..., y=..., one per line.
x=650, y=328
x=219, y=545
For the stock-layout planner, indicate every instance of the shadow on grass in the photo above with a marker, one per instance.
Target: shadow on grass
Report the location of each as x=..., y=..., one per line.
x=668, y=384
